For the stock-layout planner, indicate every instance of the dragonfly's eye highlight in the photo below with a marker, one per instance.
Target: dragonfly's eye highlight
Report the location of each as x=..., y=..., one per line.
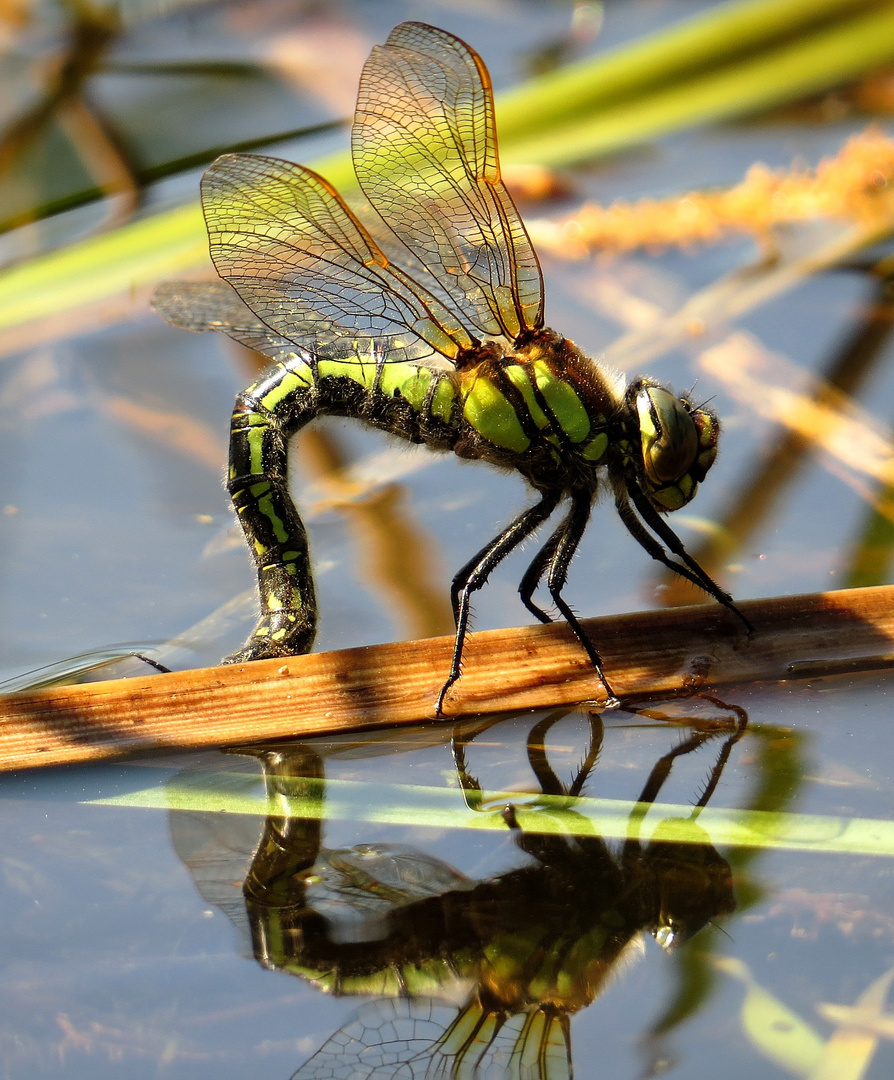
x=678, y=445
x=668, y=433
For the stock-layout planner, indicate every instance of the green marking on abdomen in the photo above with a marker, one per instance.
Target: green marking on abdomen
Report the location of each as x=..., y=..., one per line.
x=265, y=505
x=291, y=382
x=359, y=371
x=407, y=381
x=258, y=426
x=443, y=398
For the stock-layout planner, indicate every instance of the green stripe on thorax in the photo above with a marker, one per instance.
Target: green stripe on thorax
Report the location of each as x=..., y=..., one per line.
x=546, y=385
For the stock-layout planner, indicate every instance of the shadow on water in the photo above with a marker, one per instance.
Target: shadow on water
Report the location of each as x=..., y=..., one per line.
x=480, y=976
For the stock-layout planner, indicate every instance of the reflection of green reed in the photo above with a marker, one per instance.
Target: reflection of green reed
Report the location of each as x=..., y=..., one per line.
x=738, y=58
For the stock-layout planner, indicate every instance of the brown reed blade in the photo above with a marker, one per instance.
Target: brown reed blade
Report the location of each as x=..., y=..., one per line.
x=648, y=654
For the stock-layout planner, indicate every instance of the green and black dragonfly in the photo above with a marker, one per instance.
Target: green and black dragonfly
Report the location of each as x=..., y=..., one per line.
x=426, y=320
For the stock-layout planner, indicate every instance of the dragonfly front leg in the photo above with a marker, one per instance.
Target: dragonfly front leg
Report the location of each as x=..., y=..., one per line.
x=477, y=570
x=687, y=568
x=275, y=533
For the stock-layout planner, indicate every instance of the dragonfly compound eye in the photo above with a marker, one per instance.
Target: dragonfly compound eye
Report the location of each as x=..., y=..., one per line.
x=668, y=433
x=679, y=445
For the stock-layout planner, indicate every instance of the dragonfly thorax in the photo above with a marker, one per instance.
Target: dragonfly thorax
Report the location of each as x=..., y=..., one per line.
x=557, y=413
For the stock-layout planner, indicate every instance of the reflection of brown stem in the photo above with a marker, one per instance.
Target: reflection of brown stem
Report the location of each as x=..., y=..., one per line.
x=103, y=154
x=872, y=554
x=767, y=485
x=873, y=551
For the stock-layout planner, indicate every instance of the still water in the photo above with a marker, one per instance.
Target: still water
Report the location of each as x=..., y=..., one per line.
x=445, y=898
x=419, y=902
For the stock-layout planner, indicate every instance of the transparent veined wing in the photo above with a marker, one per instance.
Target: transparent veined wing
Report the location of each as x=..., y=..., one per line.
x=422, y=1039
x=386, y=1039
x=306, y=267
x=425, y=153
x=214, y=305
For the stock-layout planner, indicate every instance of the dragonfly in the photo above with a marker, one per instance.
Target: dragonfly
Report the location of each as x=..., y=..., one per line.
x=424, y=317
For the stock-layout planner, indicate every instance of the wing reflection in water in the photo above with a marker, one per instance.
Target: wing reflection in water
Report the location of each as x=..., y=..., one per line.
x=475, y=978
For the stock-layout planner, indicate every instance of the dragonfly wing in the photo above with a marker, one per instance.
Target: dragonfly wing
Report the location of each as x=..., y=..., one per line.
x=306, y=267
x=214, y=305
x=425, y=152
x=386, y=1039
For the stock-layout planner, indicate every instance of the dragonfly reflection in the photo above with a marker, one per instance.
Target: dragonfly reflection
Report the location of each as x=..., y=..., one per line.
x=474, y=978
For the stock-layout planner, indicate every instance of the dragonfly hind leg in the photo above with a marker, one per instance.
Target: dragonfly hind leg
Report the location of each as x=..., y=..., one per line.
x=554, y=559
x=475, y=573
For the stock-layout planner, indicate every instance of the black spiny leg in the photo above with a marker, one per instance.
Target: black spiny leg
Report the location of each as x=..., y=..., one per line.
x=534, y=575
x=549, y=783
x=688, y=568
x=567, y=539
x=477, y=570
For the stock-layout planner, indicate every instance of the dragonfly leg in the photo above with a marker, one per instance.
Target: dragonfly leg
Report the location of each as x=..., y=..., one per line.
x=687, y=568
x=550, y=784
x=477, y=570
x=569, y=536
x=534, y=575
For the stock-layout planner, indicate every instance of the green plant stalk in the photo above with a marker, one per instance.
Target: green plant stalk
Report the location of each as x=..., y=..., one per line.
x=130, y=258
x=136, y=256
x=152, y=173
x=809, y=65
x=700, y=44
x=410, y=804
x=576, y=90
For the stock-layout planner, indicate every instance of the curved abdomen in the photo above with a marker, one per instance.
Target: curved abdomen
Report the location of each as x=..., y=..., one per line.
x=414, y=402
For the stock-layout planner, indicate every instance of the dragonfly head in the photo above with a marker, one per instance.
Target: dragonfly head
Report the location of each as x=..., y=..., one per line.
x=678, y=442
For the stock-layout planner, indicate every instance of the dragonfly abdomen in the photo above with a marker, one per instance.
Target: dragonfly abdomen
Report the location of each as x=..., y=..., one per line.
x=415, y=402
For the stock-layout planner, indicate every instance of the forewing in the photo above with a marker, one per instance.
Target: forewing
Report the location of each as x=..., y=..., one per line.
x=306, y=267
x=425, y=153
